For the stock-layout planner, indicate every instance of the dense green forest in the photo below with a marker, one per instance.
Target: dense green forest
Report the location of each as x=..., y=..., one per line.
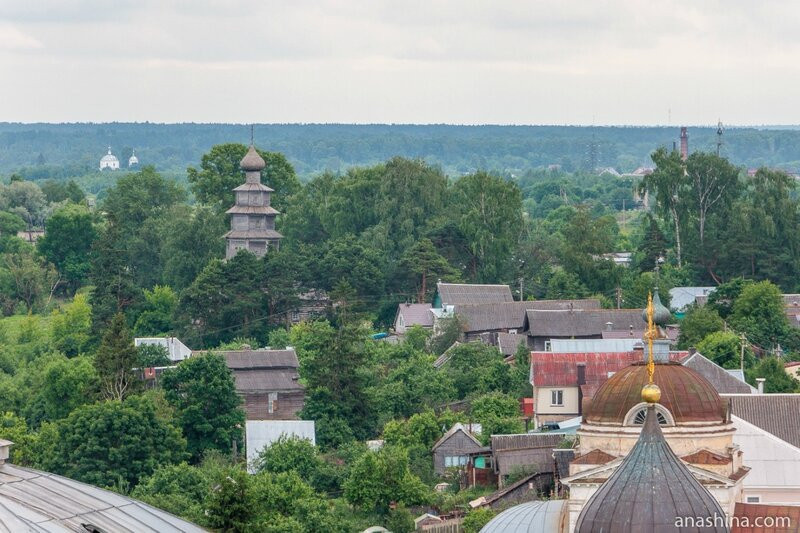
x=41, y=151
x=147, y=260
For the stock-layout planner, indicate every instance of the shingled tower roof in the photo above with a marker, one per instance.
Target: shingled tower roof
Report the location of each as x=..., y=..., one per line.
x=252, y=216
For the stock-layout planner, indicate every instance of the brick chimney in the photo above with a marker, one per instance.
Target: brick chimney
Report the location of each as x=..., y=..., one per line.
x=684, y=143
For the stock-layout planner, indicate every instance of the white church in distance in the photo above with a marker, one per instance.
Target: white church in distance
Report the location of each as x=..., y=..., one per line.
x=110, y=161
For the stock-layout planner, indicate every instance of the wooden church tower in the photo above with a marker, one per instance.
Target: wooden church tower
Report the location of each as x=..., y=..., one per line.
x=252, y=218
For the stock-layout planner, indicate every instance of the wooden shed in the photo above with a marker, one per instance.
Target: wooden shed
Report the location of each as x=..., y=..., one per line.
x=453, y=449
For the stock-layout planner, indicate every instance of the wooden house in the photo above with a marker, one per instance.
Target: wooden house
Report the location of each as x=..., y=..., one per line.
x=454, y=448
x=268, y=381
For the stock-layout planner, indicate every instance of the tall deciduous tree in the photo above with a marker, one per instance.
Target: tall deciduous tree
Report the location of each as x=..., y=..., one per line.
x=424, y=266
x=114, y=443
x=114, y=289
x=714, y=183
x=758, y=312
x=489, y=210
x=68, y=241
x=219, y=174
x=202, y=391
x=115, y=359
x=668, y=185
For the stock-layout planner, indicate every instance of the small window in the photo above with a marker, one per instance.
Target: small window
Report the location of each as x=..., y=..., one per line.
x=754, y=499
x=295, y=316
x=272, y=402
x=556, y=397
x=641, y=416
x=454, y=461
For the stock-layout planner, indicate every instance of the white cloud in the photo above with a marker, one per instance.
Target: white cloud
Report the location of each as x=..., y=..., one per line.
x=524, y=61
x=12, y=38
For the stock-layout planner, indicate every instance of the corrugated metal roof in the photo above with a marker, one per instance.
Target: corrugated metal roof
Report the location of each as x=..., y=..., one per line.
x=266, y=380
x=254, y=359
x=749, y=513
x=778, y=414
x=511, y=315
x=561, y=369
x=524, y=441
x=529, y=517
x=593, y=345
x=773, y=462
x=720, y=378
x=681, y=297
x=31, y=500
x=465, y=293
x=579, y=322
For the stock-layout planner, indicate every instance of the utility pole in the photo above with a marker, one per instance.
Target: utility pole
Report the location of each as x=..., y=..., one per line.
x=619, y=297
x=521, y=294
x=741, y=354
x=719, y=137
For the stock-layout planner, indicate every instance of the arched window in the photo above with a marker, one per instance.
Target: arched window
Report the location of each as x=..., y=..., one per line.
x=636, y=416
x=641, y=415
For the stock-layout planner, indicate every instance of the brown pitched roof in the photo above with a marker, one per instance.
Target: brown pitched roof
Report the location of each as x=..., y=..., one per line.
x=511, y=315
x=748, y=513
x=720, y=378
x=706, y=457
x=778, y=414
x=579, y=322
x=594, y=457
x=464, y=293
x=416, y=314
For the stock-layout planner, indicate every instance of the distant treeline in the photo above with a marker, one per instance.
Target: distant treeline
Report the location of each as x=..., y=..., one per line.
x=57, y=151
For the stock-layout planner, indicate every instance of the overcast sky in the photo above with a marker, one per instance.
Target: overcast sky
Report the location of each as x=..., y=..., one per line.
x=429, y=61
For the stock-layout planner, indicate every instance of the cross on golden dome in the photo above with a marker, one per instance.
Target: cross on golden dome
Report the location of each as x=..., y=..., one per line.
x=650, y=392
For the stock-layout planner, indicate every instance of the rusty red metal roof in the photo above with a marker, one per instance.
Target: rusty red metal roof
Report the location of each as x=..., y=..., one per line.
x=594, y=457
x=686, y=394
x=746, y=515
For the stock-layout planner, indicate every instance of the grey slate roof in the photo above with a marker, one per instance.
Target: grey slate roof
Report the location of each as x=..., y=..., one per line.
x=416, y=314
x=511, y=315
x=529, y=517
x=252, y=359
x=264, y=370
x=720, y=378
x=524, y=441
x=648, y=491
x=778, y=414
x=508, y=343
x=31, y=500
x=266, y=380
x=457, y=427
x=464, y=293
x=579, y=322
